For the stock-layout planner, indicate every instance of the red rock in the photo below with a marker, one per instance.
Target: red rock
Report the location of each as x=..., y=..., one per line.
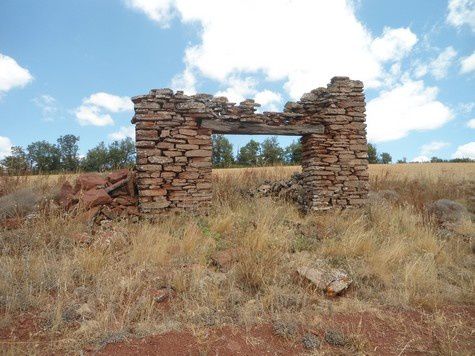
x=95, y=197
x=65, y=196
x=133, y=210
x=118, y=175
x=89, y=181
x=89, y=214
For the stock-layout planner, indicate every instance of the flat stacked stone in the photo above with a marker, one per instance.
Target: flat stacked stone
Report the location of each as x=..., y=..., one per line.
x=173, y=140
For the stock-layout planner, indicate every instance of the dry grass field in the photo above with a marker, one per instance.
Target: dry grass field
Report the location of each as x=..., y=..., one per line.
x=413, y=289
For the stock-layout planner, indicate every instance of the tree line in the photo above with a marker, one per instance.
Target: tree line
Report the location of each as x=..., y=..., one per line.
x=42, y=157
x=267, y=153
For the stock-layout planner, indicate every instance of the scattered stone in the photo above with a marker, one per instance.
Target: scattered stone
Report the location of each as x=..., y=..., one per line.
x=89, y=181
x=65, y=197
x=162, y=294
x=95, y=197
x=116, y=176
x=331, y=281
x=291, y=190
x=335, y=338
x=310, y=341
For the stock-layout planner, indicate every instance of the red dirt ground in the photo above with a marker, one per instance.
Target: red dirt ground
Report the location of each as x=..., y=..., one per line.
x=389, y=332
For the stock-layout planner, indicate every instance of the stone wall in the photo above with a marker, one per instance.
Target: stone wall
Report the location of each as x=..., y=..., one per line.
x=173, y=140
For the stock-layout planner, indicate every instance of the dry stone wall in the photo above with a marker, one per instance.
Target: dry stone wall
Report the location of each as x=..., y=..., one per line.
x=173, y=141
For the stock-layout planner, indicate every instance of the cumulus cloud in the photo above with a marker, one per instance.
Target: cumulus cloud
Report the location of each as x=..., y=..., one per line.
x=303, y=44
x=228, y=47
x=420, y=159
x=394, y=44
x=432, y=147
x=95, y=109
x=471, y=123
x=12, y=74
x=109, y=102
x=408, y=106
x=461, y=12
x=5, y=146
x=465, y=151
x=467, y=64
x=48, y=106
x=269, y=100
x=91, y=115
x=122, y=133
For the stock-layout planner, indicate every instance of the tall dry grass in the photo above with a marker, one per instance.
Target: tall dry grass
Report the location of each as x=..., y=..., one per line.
x=103, y=291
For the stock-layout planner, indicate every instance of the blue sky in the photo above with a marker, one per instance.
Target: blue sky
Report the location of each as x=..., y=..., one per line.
x=71, y=66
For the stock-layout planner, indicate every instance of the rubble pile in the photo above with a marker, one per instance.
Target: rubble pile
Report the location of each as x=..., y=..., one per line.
x=291, y=190
x=96, y=198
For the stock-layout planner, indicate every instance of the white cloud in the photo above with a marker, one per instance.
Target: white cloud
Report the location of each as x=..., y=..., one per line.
x=91, y=115
x=303, y=44
x=239, y=89
x=124, y=132
x=95, y=109
x=432, y=147
x=440, y=66
x=471, y=123
x=48, y=106
x=282, y=39
x=12, y=74
x=468, y=64
x=394, y=44
x=158, y=10
x=462, y=12
x=109, y=102
x=465, y=108
x=408, y=106
x=269, y=100
x=420, y=159
x=465, y=151
x=185, y=81
x=5, y=146
x=437, y=67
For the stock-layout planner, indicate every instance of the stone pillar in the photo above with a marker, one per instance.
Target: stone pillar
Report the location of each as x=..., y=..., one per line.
x=335, y=164
x=173, y=153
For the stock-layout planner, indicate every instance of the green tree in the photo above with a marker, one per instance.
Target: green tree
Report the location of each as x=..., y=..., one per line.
x=249, y=154
x=436, y=160
x=222, y=151
x=16, y=162
x=386, y=158
x=121, y=154
x=96, y=159
x=272, y=153
x=403, y=160
x=293, y=153
x=44, y=157
x=372, y=154
x=68, y=149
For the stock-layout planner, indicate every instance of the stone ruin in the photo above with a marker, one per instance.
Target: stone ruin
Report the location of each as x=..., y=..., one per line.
x=173, y=141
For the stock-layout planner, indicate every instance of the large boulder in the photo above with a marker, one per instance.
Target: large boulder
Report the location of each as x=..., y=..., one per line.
x=447, y=212
x=89, y=181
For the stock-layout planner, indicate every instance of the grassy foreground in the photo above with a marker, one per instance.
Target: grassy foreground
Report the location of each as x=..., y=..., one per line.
x=73, y=295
